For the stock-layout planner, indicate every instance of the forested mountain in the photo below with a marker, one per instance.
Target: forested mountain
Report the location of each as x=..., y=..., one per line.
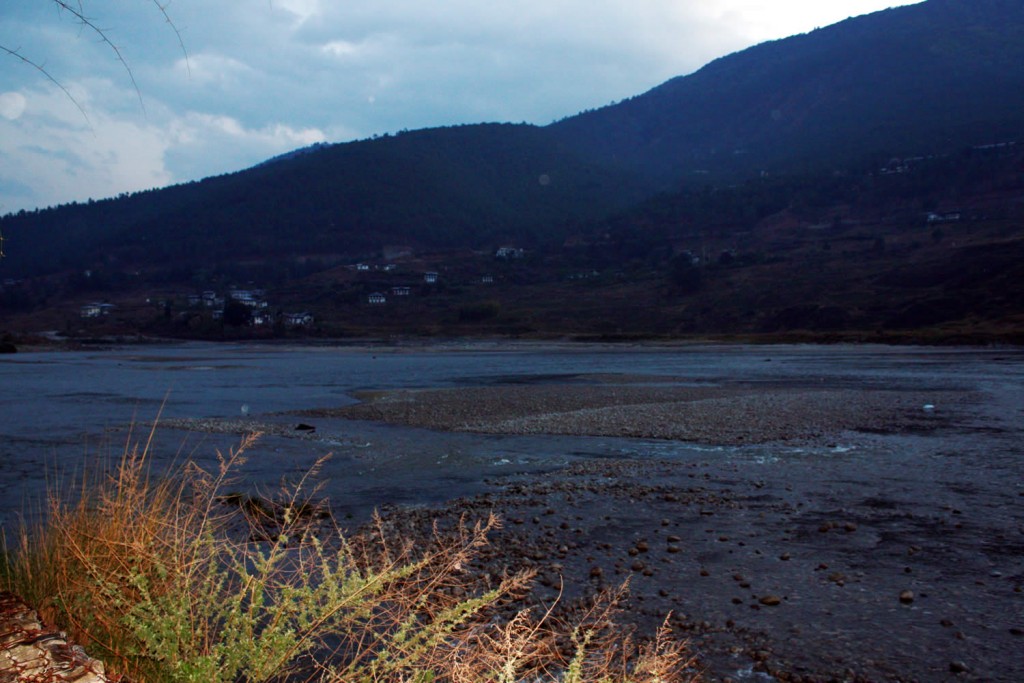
x=864, y=176
x=920, y=79
x=466, y=185
x=914, y=80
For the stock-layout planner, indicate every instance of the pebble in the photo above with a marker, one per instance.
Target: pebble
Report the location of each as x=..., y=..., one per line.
x=907, y=597
x=770, y=600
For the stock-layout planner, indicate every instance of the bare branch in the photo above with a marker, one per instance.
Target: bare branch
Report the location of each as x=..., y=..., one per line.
x=42, y=69
x=76, y=8
x=177, y=33
x=88, y=23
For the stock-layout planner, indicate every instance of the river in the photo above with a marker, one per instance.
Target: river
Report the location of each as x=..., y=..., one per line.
x=837, y=528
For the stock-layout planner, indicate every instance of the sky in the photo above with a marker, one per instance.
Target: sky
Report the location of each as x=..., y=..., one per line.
x=229, y=84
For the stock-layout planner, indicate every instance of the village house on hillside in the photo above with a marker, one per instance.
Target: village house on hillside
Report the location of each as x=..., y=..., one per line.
x=509, y=252
x=96, y=310
x=430, y=277
x=301, y=319
x=944, y=217
x=253, y=298
x=377, y=298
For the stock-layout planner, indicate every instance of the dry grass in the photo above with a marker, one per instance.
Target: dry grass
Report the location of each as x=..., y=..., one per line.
x=165, y=582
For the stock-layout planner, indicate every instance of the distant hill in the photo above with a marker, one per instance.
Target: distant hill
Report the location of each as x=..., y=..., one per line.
x=914, y=80
x=467, y=186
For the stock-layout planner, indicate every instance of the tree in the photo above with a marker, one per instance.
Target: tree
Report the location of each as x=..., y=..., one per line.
x=685, y=274
x=236, y=313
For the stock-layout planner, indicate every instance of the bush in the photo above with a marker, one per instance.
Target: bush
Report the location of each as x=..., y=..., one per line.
x=478, y=312
x=171, y=579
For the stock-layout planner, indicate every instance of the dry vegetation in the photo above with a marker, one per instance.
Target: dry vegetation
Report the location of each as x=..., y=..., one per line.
x=176, y=579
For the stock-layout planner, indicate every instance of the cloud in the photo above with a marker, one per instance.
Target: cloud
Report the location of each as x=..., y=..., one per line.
x=12, y=105
x=197, y=138
x=64, y=157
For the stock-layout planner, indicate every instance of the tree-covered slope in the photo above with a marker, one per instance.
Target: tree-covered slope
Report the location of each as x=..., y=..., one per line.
x=918, y=79
x=463, y=186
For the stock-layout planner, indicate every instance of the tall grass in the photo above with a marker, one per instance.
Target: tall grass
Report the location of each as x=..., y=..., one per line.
x=162, y=579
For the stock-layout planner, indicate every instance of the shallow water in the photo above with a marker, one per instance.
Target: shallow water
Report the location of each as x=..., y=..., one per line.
x=939, y=511
x=57, y=409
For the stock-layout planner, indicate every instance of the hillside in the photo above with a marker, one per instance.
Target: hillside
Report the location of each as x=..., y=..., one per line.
x=863, y=181
x=467, y=185
x=914, y=80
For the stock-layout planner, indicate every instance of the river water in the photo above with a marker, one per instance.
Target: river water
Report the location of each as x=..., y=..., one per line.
x=59, y=409
x=938, y=510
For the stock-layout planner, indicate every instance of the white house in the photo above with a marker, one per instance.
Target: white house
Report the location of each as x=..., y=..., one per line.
x=377, y=298
x=91, y=311
x=430, y=277
x=96, y=310
x=253, y=298
x=302, y=319
x=400, y=291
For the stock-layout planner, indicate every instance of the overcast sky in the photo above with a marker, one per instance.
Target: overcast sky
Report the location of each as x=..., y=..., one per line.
x=260, y=77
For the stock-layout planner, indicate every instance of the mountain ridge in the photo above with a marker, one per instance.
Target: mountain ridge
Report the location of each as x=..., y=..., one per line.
x=851, y=135
x=779, y=105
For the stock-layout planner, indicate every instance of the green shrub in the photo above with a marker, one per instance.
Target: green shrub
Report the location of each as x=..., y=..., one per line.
x=159, y=578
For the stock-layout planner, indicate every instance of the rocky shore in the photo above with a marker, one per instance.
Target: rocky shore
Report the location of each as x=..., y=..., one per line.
x=31, y=651
x=809, y=573
x=840, y=548
x=704, y=414
x=836, y=568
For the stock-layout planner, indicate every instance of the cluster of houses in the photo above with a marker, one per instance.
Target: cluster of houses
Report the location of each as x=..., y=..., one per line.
x=255, y=300
x=430, y=277
x=380, y=298
x=509, y=253
x=366, y=267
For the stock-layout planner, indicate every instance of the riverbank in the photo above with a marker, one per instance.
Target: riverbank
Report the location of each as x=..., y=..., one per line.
x=844, y=569
x=862, y=483
x=863, y=565
x=654, y=408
